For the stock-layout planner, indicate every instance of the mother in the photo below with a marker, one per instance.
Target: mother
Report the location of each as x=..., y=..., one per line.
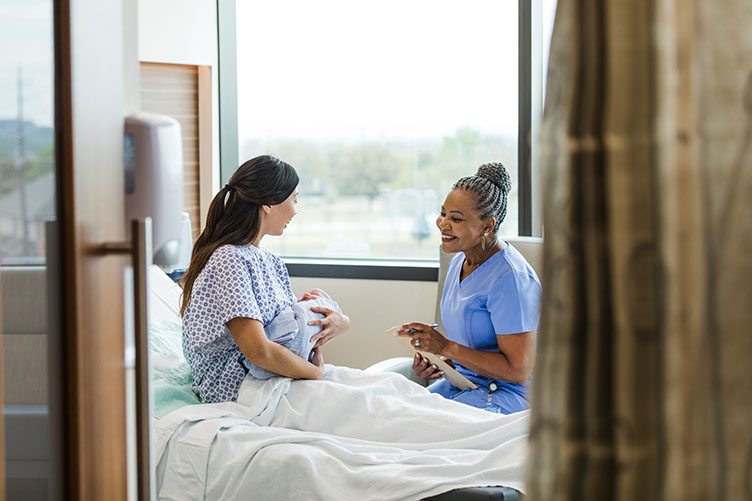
x=490, y=304
x=234, y=287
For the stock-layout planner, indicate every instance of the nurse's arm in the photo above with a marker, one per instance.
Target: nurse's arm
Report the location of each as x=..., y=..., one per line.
x=252, y=341
x=513, y=362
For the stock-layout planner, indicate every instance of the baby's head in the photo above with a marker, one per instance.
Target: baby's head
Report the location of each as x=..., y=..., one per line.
x=314, y=294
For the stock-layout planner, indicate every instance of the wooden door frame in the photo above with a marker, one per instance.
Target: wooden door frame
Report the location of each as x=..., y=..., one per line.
x=89, y=112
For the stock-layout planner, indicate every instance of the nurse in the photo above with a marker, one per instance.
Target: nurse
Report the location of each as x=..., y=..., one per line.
x=490, y=305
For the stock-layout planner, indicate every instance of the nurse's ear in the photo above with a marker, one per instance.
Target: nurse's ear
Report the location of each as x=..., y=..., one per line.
x=489, y=226
x=266, y=208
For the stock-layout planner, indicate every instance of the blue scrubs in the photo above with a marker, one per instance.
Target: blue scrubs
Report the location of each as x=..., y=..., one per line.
x=502, y=296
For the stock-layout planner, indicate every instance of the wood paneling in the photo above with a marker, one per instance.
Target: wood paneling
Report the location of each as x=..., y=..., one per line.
x=173, y=90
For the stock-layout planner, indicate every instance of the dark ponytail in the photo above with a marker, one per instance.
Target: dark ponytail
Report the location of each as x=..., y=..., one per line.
x=234, y=216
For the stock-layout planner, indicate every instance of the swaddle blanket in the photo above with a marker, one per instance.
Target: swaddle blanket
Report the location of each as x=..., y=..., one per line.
x=290, y=329
x=351, y=435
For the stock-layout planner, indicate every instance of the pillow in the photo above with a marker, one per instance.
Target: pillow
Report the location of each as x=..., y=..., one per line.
x=164, y=296
x=171, y=374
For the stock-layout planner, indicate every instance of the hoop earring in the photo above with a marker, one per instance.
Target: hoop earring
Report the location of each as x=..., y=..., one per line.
x=483, y=242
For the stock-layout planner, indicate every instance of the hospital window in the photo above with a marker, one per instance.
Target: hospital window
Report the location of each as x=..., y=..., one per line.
x=27, y=133
x=380, y=107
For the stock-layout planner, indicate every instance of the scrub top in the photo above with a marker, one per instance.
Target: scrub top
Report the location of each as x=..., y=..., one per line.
x=502, y=296
x=237, y=282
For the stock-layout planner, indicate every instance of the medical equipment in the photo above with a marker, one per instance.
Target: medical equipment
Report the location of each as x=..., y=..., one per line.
x=153, y=158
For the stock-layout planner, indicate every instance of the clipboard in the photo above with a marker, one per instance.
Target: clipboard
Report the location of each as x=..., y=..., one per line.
x=450, y=373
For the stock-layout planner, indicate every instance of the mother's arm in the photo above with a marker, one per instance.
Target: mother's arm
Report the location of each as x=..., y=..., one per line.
x=253, y=343
x=513, y=362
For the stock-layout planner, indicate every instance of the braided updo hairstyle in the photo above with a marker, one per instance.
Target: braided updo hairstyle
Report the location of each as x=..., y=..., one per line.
x=490, y=186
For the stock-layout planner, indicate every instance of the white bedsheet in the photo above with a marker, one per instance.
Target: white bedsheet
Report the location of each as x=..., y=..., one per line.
x=351, y=435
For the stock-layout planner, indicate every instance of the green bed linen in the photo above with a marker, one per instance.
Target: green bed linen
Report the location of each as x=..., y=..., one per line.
x=171, y=375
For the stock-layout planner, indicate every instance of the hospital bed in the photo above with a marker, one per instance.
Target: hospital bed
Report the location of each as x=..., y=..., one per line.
x=172, y=393
x=26, y=415
x=530, y=248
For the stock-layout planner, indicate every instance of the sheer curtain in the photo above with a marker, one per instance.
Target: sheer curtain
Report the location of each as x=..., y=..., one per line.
x=642, y=387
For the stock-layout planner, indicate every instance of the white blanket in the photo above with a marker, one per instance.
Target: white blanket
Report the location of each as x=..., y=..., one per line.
x=351, y=435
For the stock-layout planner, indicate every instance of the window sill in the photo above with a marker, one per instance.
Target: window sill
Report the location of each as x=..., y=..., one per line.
x=364, y=269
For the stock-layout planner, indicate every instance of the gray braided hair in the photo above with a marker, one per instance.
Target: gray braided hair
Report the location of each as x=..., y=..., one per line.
x=491, y=186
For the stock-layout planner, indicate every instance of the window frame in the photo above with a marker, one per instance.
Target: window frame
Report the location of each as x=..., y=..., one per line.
x=385, y=269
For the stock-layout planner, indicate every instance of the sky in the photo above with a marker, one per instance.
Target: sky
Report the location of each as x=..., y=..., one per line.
x=26, y=43
x=375, y=69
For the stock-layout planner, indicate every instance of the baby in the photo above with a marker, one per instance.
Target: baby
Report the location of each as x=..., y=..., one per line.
x=290, y=329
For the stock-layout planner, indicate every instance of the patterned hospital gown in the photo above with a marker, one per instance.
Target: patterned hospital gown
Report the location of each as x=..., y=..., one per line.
x=237, y=281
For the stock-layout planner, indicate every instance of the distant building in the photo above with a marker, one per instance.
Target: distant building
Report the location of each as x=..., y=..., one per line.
x=40, y=207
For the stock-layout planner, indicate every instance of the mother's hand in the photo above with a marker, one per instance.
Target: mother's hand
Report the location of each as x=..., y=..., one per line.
x=423, y=337
x=332, y=325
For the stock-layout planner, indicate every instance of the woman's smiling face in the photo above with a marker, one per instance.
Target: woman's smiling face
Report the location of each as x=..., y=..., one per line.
x=460, y=225
x=281, y=214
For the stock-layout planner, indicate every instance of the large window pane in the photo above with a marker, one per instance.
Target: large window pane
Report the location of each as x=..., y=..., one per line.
x=30, y=347
x=381, y=107
x=27, y=187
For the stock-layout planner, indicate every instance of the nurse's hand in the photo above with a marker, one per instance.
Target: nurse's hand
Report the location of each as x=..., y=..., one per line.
x=424, y=369
x=424, y=337
x=332, y=325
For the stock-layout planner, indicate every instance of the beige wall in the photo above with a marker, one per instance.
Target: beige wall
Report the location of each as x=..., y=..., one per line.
x=178, y=31
x=373, y=306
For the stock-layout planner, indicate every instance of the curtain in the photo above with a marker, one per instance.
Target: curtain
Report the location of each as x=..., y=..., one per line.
x=642, y=386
